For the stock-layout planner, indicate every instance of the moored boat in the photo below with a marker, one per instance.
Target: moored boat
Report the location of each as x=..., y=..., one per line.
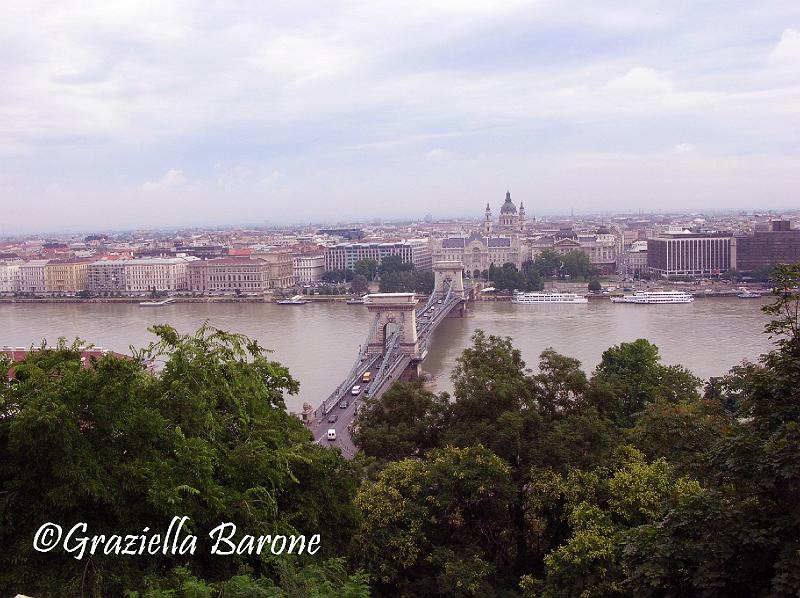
x=655, y=297
x=296, y=300
x=547, y=297
x=156, y=303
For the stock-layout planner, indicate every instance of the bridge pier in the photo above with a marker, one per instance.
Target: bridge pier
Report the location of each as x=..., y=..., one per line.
x=395, y=310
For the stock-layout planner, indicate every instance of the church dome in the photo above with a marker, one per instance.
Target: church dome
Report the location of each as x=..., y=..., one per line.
x=508, y=207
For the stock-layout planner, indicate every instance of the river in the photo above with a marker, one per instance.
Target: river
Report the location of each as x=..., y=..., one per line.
x=318, y=342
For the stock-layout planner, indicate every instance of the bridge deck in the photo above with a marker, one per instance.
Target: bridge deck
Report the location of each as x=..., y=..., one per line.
x=386, y=368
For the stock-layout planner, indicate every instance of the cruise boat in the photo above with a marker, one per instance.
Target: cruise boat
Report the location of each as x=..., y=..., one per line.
x=359, y=301
x=554, y=297
x=746, y=294
x=156, y=303
x=655, y=297
x=296, y=300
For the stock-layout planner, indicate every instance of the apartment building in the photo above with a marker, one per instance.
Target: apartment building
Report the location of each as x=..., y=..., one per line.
x=9, y=277
x=156, y=274
x=32, y=276
x=66, y=276
x=106, y=276
x=308, y=268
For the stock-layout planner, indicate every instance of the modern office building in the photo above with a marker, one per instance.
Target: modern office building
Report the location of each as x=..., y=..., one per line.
x=344, y=255
x=689, y=254
x=764, y=249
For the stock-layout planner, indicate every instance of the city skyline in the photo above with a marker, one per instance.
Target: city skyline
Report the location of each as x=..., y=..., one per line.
x=154, y=117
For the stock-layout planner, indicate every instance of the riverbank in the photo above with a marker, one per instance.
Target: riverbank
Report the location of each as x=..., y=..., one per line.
x=175, y=299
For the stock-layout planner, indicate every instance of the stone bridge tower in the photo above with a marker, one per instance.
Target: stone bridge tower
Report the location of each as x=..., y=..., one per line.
x=394, y=310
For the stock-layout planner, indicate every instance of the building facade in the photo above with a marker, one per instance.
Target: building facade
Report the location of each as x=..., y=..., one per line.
x=281, y=268
x=308, y=268
x=156, y=274
x=32, y=277
x=765, y=249
x=635, y=260
x=689, y=254
x=68, y=276
x=477, y=251
x=106, y=276
x=344, y=255
x=9, y=277
x=228, y=274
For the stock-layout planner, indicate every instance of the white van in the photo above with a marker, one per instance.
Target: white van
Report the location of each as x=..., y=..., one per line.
x=331, y=434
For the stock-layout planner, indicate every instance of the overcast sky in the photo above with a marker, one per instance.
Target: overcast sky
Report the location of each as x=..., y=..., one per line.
x=125, y=114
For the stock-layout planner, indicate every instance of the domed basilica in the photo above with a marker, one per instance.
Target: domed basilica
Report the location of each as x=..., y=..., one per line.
x=496, y=243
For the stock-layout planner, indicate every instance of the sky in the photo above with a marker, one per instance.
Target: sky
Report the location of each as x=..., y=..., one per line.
x=117, y=115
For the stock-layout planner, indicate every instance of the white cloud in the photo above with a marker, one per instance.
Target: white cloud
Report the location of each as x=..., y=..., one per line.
x=683, y=148
x=436, y=154
x=172, y=178
x=788, y=49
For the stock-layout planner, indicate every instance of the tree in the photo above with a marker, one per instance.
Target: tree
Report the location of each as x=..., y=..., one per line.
x=547, y=263
x=424, y=282
x=359, y=284
x=405, y=422
x=576, y=263
x=630, y=376
x=439, y=526
x=393, y=263
x=120, y=449
x=594, y=285
x=367, y=268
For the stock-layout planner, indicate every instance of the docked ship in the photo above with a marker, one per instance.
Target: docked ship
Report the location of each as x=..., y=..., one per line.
x=360, y=301
x=554, y=297
x=651, y=297
x=747, y=294
x=296, y=300
x=156, y=303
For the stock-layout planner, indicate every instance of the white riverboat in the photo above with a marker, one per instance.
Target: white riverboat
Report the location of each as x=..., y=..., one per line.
x=156, y=303
x=654, y=297
x=554, y=297
x=747, y=294
x=296, y=300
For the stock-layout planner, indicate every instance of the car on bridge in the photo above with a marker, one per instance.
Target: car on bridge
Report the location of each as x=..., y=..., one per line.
x=344, y=405
x=439, y=301
x=333, y=418
x=331, y=434
x=356, y=389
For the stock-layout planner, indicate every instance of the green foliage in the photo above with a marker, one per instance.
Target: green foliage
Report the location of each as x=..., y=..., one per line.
x=367, y=268
x=407, y=281
x=576, y=264
x=360, y=284
x=121, y=449
x=406, y=421
x=594, y=285
x=326, y=579
x=630, y=376
x=393, y=264
x=547, y=263
x=337, y=276
x=438, y=526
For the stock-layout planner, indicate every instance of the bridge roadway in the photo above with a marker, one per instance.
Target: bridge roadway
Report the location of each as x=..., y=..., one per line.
x=385, y=368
